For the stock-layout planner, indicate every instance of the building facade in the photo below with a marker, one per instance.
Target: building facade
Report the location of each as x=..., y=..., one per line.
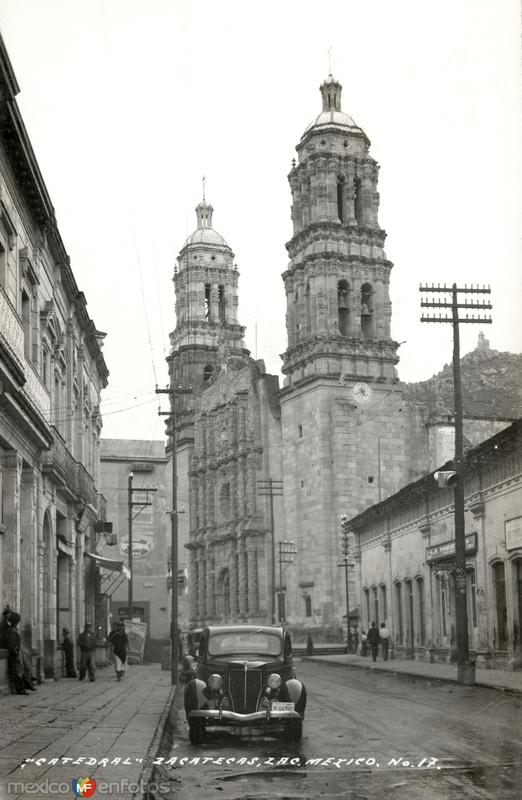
x=52, y=373
x=405, y=548
x=342, y=434
x=150, y=469
x=226, y=419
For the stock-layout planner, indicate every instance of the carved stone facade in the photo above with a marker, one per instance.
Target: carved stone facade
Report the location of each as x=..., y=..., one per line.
x=52, y=372
x=229, y=546
x=224, y=425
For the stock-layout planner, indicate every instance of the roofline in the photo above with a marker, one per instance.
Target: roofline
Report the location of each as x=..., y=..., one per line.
x=427, y=485
x=41, y=206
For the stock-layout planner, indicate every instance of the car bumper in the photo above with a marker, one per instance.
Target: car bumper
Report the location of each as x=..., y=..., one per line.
x=224, y=717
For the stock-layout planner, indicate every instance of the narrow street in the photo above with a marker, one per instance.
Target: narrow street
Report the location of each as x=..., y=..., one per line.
x=365, y=734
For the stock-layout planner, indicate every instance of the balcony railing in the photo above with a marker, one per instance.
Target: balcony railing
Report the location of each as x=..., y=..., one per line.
x=36, y=391
x=12, y=331
x=71, y=473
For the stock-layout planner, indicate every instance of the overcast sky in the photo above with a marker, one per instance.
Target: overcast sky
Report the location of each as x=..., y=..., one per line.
x=128, y=104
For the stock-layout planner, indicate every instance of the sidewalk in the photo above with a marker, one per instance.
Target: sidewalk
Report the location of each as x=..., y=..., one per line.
x=493, y=678
x=119, y=722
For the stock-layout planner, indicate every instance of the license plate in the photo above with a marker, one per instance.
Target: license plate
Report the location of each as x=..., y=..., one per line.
x=282, y=706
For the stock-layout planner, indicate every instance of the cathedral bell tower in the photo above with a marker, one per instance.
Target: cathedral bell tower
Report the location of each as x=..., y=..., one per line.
x=206, y=287
x=342, y=411
x=337, y=281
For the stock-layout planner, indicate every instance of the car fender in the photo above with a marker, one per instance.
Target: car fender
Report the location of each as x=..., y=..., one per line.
x=195, y=695
x=296, y=694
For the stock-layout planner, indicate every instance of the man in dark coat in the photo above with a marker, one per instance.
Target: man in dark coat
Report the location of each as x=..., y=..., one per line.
x=120, y=642
x=373, y=640
x=68, y=652
x=14, y=664
x=87, y=645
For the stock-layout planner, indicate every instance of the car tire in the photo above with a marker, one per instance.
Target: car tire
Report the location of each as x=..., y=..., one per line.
x=196, y=730
x=294, y=730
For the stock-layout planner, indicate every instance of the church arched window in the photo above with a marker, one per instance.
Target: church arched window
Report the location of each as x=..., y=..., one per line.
x=366, y=309
x=307, y=307
x=340, y=198
x=221, y=303
x=343, y=307
x=358, y=205
x=224, y=501
x=207, y=301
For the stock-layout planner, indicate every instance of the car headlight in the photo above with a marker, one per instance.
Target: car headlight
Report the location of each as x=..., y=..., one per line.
x=274, y=681
x=215, y=681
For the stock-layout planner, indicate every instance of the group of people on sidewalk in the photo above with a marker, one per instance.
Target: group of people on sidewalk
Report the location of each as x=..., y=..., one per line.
x=375, y=637
x=19, y=669
x=87, y=644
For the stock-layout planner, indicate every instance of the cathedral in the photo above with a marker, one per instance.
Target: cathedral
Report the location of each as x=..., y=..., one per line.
x=261, y=465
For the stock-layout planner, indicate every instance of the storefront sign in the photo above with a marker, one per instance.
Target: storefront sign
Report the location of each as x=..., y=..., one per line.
x=513, y=529
x=440, y=551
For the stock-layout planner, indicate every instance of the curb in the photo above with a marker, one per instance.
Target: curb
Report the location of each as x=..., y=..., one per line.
x=161, y=743
x=415, y=675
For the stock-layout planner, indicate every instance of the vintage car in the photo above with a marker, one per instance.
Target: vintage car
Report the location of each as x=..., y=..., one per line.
x=245, y=683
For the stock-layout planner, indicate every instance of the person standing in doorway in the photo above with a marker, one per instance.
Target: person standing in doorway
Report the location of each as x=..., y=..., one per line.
x=373, y=640
x=385, y=641
x=87, y=645
x=120, y=642
x=68, y=652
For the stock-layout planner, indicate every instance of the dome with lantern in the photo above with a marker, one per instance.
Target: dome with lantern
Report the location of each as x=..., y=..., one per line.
x=331, y=116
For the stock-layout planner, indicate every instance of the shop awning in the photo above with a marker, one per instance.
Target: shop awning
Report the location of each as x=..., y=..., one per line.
x=110, y=563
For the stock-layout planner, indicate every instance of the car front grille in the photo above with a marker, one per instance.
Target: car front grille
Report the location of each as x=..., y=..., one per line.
x=244, y=687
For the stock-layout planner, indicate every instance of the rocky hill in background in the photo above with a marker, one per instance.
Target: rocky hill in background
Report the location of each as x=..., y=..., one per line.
x=491, y=384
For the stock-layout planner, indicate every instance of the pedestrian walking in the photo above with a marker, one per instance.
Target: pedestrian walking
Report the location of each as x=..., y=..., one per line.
x=385, y=641
x=87, y=645
x=309, y=645
x=68, y=652
x=364, y=644
x=373, y=640
x=120, y=643
x=355, y=640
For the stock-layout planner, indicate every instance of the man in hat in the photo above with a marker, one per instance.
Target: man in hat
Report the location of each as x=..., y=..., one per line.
x=120, y=642
x=87, y=645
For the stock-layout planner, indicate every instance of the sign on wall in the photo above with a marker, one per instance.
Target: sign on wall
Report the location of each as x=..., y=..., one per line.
x=513, y=529
x=141, y=545
x=446, y=549
x=136, y=633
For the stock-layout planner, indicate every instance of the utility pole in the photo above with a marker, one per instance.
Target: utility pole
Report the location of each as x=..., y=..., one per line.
x=174, y=559
x=346, y=552
x=465, y=669
x=131, y=503
x=271, y=488
x=285, y=549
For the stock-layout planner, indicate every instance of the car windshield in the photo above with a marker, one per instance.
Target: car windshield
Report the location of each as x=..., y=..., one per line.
x=228, y=643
